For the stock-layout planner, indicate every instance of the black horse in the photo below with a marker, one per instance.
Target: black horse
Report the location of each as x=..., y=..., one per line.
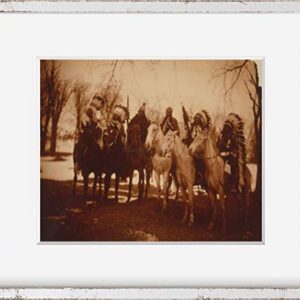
x=138, y=159
x=88, y=157
x=115, y=158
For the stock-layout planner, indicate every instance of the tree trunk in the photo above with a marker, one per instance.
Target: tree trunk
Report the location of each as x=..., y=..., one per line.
x=258, y=128
x=44, y=132
x=53, y=136
x=258, y=189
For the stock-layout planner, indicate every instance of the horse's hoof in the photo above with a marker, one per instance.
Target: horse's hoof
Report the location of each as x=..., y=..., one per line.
x=211, y=226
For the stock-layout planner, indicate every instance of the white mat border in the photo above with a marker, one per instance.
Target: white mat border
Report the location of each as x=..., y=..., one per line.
x=93, y=6
x=145, y=294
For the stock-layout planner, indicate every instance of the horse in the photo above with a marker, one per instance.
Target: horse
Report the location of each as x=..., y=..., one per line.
x=202, y=147
x=232, y=140
x=88, y=157
x=161, y=162
x=115, y=157
x=137, y=160
x=185, y=172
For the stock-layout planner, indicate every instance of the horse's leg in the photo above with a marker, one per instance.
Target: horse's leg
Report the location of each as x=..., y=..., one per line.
x=170, y=179
x=95, y=183
x=117, y=181
x=186, y=207
x=85, y=183
x=246, y=200
x=223, y=207
x=106, y=185
x=212, y=198
x=148, y=175
x=191, y=205
x=165, y=189
x=157, y=180
x=141, y=183
x=74, y=182
x=177, y=186
x=100, y=184
x=130, y=185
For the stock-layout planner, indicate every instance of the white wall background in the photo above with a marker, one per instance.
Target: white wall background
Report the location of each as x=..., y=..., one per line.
x=25, y=37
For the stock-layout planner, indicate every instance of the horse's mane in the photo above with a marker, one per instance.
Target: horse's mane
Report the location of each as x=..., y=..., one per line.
x=181, y=145
x=235, y=122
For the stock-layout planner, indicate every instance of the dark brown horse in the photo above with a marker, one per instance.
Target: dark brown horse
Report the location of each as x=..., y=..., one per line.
x=115, y=158
x=88, y=157
x=138, y=159
x=232, y=145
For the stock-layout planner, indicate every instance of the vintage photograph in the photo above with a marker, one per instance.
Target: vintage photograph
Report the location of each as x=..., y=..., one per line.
x=151, y=150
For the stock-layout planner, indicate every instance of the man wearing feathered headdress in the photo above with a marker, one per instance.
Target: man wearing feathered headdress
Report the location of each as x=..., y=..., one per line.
x=119, y=117
x=202, y=121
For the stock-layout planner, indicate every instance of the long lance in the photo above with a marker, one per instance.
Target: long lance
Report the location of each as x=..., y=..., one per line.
x=127, y=119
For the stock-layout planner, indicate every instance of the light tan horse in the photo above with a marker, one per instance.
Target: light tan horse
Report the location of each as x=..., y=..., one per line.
x=185, y=172
x=202, y=147
x=161, y=161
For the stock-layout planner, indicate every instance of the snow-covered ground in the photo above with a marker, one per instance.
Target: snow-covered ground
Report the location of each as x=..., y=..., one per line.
x=61, y=169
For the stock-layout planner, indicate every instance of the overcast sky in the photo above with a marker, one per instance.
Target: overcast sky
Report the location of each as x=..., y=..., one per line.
x=166, y=83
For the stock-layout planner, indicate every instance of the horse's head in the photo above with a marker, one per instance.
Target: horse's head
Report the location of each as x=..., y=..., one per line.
x=99, y=135
x=110, y=136
x=134, y=136
x=169, y=141
x=197, y=147
x=152, y=135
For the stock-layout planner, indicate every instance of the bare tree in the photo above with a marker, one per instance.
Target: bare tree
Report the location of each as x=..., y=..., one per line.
x=110, y=90
x=81, y=101
x=247, y=72
x=63, y=92
x=48, y=87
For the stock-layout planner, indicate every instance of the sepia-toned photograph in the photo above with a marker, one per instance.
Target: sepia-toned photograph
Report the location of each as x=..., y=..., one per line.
x=151, y=150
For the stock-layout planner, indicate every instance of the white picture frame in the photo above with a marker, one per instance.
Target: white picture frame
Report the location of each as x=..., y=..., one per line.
x=8, y=276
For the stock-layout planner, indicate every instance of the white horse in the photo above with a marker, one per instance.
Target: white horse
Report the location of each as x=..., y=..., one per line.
x=161, y=161
x=185, y=172
x=202, y=147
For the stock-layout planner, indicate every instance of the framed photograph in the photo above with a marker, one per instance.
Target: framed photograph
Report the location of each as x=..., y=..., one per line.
x=147, y=151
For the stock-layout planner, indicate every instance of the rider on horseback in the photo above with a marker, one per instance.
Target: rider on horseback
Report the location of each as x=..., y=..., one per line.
x=141, y=119
x=201, y=121
x=120, y=114
x=169, y=122
x=91, y=117
x=90, y=121
x=119, y=117
x=228, y=148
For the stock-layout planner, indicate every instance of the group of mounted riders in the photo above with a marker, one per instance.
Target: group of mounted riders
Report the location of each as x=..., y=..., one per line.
x=105, y=147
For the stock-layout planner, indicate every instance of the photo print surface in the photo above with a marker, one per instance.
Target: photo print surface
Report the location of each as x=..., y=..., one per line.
x=151, y=150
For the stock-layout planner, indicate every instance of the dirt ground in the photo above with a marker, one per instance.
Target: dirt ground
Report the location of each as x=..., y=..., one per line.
x=68, y=218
